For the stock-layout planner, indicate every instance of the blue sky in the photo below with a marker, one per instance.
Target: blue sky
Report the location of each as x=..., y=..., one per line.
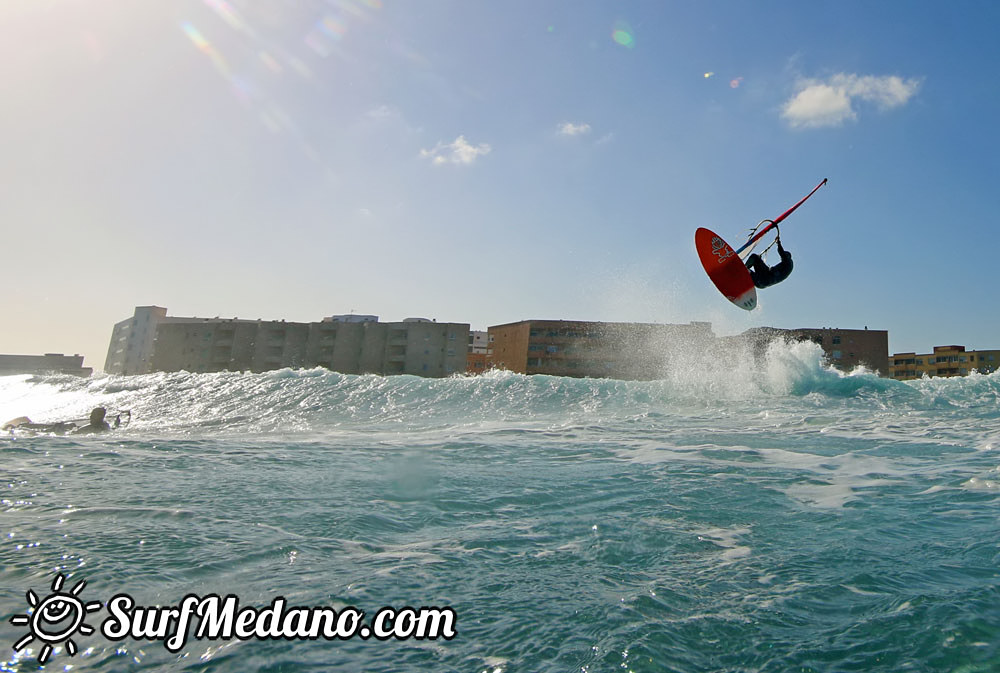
x=487, y=162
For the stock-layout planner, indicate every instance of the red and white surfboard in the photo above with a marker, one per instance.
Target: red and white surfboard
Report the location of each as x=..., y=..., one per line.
x=725, y=268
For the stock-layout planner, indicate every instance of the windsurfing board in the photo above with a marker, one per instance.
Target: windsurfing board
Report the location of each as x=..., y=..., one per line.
x=725, y=268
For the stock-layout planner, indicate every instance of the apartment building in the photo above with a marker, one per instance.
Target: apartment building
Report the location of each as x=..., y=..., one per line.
x=479, y=342
x=415, y=346
x=845, y=349
x=131, y=347
x=944, y=361
x=44, y=364
x=636, y=351
x=351, y=344
x=221, y=344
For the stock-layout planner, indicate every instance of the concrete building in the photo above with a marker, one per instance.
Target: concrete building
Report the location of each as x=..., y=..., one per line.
x=220, y=344
x=640, y=351
x=478, y=349
x=479, y=341
x=944, y=361
x=415, y=346
x=44, y=364
x=845, y=349
x=131, y=347
x=350, y=344
x=636, y=351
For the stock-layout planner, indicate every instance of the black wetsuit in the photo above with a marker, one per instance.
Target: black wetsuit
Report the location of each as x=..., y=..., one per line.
x=765, y=276
x=93, y=428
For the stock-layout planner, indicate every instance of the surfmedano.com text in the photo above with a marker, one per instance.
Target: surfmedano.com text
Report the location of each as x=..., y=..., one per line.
x=212, y=617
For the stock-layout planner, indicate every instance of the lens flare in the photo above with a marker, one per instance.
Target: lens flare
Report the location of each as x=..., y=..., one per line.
x=622, y=34
x=328, y=31
x=205, y=47
x=229, y=15
x=735, y=82
x=270, y=62
x=195, y=36
x=708, y=74
x=333, y=28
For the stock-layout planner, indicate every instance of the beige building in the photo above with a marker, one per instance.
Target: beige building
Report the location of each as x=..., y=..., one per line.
x=944, y=361
x=131, y=347
x=636, y=351
x=845, y=349
x=44, y=364
x=639, y=351
x=350, y=344
x=415, y=346
x=477, y=361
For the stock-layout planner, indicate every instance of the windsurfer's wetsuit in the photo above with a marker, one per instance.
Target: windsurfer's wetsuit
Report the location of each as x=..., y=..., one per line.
x=765, y=276
x=97, y=423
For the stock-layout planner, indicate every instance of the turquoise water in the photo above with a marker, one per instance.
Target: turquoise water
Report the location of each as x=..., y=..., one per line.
x=784, y=517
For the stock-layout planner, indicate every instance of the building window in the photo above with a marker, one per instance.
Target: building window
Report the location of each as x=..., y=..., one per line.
x=837, y=355
x=836, y=339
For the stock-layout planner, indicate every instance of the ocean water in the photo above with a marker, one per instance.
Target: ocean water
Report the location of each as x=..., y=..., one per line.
x=782, y=517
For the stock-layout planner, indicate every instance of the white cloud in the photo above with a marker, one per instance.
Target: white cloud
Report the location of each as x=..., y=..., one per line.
x=384, y=119
x=831, y=103
x=381, y=112
x=457, y=152
x=571, y=129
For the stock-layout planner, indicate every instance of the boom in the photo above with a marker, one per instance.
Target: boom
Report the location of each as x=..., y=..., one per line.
x=756, y=237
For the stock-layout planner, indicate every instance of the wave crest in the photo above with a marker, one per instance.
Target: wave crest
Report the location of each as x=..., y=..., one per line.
x=321, y=400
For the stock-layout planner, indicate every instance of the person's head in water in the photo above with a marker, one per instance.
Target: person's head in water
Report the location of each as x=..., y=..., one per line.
x=97, y=423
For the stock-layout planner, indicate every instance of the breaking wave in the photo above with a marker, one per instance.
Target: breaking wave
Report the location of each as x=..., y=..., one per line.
x=318, y=400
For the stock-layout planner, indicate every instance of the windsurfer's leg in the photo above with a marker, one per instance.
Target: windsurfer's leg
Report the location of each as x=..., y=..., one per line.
x=760, y=272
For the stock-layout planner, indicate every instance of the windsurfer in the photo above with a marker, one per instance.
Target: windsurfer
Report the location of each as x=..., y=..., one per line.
x=766, y=276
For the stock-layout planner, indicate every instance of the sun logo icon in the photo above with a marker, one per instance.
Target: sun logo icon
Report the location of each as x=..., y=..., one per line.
x=55, y=619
